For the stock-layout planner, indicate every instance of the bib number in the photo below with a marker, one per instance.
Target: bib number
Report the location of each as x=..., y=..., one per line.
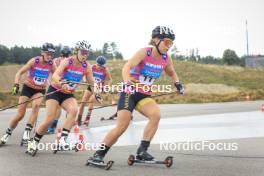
x=39, y=81
x=97, y=80
x=147, y=80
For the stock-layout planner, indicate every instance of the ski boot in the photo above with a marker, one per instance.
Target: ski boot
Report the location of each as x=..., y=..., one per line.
x=25, y=138
x=4, y=139
x=51, y=130
x=62, y=145
x=32, y=147
x=97, y=161
x=86, y=123
x=144, y=156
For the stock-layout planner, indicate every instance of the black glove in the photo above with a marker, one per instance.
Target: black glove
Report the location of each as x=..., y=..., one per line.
x=15, y=89
x=179, y=87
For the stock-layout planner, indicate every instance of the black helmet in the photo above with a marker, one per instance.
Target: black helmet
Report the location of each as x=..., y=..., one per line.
x=48, y=47
x=163, y=32
x=65, y=51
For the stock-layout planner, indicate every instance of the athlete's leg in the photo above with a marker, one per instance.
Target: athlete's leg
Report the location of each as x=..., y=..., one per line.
x=33, y=116
x=70, y=105
x=51, y=109
x=21, y=110
x=85, y=98
x=90, y=109
x=125, y=106
x=149, y=108
x=15, y=120
x=54, y=124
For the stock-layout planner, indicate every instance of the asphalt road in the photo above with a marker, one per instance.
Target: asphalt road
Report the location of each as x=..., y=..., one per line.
x=247, y=160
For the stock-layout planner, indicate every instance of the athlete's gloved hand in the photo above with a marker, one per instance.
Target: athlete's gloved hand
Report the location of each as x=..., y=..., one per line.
x=129, y=88
x=66, y=85
x=15, y=89
x=179, y=87
x=98, y=98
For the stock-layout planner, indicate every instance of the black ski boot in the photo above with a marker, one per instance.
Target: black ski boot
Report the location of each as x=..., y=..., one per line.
x=142, y=153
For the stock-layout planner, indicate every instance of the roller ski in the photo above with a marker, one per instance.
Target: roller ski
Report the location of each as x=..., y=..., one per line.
x=25, y=138
x=146, y=158
x=97, y=161
x=32, y=148
x=4, y=139
x=62, y=145
x=113, y=117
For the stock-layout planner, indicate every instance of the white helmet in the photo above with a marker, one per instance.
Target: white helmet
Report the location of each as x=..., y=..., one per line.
x=83, y=45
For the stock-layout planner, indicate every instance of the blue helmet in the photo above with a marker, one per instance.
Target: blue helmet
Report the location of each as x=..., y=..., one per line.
x=101, y=60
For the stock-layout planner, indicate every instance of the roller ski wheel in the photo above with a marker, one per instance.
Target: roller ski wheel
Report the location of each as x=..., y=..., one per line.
x=131, y=160
x=102, y=164
x=167, y=162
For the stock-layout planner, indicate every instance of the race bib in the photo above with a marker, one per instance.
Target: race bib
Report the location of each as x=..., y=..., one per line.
x=147, y=80
x=97, y=80
x=39, y=80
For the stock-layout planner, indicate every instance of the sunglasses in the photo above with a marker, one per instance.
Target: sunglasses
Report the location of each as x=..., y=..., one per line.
x=49, y=53
x=168, y=43
x=84, y=52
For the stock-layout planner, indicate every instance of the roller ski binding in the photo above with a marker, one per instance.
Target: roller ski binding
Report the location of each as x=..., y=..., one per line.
x=32, y=147
x=97, y=161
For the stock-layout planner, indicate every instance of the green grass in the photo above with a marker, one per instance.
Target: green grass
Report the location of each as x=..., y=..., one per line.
x=204, y=83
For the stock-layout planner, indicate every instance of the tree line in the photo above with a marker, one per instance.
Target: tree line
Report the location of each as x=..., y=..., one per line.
x=229, y=57
x=20, y=54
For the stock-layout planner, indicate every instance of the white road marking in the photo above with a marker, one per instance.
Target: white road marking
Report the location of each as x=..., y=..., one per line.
x=192, y=128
